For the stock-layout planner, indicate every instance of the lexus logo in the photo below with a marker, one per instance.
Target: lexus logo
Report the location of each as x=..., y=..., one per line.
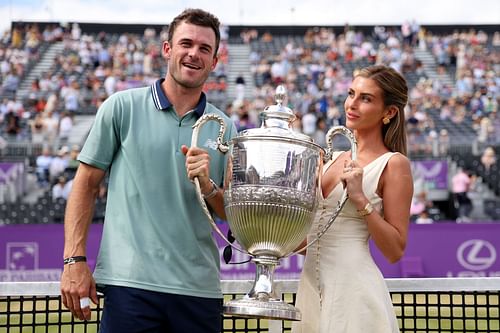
x=476, y=254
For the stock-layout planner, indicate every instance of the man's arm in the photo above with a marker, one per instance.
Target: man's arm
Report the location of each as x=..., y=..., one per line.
x=216, y=202
x=76, y=280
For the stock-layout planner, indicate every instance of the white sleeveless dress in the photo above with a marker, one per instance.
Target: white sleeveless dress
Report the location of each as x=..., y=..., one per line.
x=341, y=289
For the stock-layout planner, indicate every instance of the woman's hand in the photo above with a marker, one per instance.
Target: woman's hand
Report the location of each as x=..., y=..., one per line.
x=352, y=178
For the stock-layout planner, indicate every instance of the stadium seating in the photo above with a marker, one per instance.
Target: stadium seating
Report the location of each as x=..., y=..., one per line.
x=314, y=63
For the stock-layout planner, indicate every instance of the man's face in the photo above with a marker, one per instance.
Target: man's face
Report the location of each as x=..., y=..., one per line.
x=190, y=55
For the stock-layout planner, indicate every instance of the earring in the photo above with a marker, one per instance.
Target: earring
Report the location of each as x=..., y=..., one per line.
x=386, y=120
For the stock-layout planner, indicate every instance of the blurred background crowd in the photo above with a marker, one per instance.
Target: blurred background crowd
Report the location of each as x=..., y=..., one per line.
x=53, y=77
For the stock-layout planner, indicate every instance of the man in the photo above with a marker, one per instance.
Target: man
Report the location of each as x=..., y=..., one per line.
x=158, y=265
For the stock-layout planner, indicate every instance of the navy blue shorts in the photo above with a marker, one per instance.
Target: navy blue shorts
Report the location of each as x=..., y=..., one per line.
x=131, y=310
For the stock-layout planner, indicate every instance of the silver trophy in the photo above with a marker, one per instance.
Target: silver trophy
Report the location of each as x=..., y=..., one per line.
x=270, y=199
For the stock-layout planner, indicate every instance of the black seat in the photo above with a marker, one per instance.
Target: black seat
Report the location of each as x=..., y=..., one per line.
x=492, y=209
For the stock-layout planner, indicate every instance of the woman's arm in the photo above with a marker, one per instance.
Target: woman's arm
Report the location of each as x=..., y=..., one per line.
x=396, y=188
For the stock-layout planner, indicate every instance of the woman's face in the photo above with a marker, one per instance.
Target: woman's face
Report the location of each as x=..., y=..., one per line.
x=364, y=105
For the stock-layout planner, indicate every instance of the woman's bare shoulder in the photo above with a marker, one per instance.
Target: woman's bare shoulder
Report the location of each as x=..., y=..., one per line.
x=398, y=167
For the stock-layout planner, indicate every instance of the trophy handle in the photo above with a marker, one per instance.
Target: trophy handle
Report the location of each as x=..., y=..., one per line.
x=336, y=130
x=223, y=148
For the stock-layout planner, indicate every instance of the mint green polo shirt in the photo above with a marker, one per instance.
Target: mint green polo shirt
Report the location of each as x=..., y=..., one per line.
x=156, y=236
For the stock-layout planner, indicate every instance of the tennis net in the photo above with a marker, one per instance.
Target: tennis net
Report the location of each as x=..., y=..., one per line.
x=422, y=305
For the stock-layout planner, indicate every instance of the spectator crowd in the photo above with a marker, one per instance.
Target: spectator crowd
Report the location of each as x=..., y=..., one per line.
x=315, y=68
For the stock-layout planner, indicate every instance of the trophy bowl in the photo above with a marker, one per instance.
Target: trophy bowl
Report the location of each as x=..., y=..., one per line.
x=270, y=199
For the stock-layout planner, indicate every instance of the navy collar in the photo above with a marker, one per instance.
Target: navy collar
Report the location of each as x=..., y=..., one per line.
x=162, y=103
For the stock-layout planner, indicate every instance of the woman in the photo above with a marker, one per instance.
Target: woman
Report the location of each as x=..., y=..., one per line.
x=341, y=289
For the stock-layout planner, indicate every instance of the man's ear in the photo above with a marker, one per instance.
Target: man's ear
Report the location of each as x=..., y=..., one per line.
x=166, y=50
x=216, y=60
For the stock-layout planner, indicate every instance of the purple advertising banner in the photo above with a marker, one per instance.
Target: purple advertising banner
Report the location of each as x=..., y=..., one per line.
x=447, y=250
x=434, y=173
x=35, y=252
x=9, y=171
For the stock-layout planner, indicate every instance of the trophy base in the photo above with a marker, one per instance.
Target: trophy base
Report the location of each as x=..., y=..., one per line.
x=270, y=309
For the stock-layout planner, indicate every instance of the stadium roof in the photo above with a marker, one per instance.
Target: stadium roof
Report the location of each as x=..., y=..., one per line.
x=256, y=12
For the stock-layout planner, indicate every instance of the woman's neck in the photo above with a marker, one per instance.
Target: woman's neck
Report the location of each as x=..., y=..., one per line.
x=370, y=143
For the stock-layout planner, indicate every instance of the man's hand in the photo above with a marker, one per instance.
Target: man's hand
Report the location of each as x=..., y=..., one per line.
x=198, y=165
x=77, y=286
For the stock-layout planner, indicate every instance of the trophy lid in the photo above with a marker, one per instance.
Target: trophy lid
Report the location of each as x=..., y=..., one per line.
x=277, y=120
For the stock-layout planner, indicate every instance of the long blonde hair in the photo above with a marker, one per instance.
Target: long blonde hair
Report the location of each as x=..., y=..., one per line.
x=395, y=92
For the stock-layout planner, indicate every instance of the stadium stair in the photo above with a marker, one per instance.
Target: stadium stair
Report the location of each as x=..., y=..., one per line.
x=42, y=66
x=430, y=67
x=239, y=63
x=81, y=127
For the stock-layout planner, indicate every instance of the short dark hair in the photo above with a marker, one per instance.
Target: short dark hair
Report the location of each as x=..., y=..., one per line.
x=197, y=17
